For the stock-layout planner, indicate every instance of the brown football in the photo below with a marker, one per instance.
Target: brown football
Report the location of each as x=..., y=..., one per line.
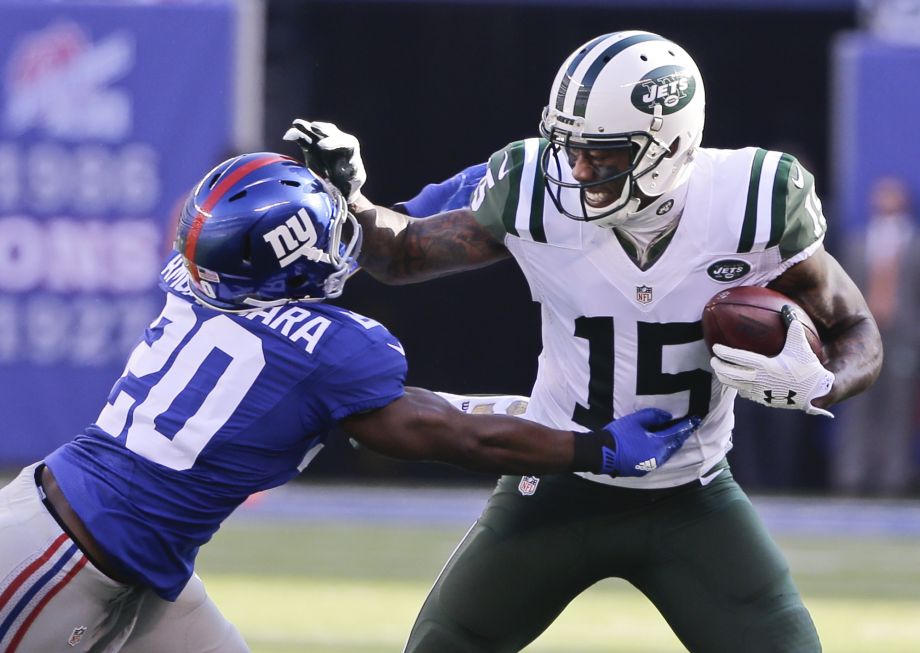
x=750, y=318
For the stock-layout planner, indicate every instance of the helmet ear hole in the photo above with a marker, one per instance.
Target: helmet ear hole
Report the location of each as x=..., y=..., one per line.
x=674, y=149
x=294, y=282
x=348, y=231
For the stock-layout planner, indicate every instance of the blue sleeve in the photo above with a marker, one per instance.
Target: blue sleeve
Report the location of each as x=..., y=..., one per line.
x=368, y=379
x=453, y=193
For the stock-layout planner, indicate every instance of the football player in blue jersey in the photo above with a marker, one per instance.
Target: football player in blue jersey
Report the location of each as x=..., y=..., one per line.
x=624, y=226
x=232, y=390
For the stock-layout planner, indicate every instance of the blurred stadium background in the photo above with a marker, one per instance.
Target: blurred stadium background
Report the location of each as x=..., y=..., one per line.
x=110, y=110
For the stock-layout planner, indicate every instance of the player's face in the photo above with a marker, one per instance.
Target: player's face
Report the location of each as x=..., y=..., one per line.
x=589, y=166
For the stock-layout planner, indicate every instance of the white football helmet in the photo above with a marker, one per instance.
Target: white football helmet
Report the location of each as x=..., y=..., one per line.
x=633, y=90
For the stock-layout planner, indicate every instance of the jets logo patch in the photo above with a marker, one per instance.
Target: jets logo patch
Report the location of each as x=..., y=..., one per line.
x=728, y=270
x=671, y=87
x=665, y=207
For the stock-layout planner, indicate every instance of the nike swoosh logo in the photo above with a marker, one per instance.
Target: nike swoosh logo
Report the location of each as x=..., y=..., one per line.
x=798, y=178
x=503, y=168
x=398, y=347
x=709, y=478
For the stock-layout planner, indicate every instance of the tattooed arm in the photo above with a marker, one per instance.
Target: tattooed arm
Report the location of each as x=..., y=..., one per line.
x=848, y=330
x=398, y=249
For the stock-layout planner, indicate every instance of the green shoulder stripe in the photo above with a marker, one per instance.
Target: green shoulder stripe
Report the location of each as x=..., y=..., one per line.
x=510, y=169
x=781, y=208
x=537, y=231
x=749, y=226
x=780, y=193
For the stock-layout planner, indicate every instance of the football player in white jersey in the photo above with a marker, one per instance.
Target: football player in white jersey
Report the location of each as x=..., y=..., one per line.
x=624, y=227
x=233, y=389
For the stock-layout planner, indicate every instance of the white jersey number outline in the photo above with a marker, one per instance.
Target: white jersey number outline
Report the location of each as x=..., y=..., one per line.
x=218, y=333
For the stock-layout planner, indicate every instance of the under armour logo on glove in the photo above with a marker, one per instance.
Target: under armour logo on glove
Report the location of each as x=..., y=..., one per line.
x=788, y=397
x=796, y=367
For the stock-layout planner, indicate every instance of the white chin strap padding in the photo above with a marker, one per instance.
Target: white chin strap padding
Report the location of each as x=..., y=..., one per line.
x=614, y=219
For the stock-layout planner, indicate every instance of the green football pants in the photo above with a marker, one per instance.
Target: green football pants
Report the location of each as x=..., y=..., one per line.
x=699, y=553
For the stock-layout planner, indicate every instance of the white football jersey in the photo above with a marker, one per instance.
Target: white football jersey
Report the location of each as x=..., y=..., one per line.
x=617, y=338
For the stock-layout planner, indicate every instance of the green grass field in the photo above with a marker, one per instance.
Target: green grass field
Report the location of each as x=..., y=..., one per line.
x=351, y=588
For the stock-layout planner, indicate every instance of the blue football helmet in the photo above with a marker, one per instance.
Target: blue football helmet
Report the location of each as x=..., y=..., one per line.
x=262, y=230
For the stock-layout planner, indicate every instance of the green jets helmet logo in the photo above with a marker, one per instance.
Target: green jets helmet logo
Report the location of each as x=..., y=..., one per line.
x=672, y=87
x=728, y=270
x=665, y=207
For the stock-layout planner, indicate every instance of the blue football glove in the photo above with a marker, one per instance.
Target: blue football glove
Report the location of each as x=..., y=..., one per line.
x=453, y=193
x=633, y=445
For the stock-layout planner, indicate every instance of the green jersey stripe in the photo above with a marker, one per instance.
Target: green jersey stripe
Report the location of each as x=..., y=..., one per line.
x=780, y=192
x=515, y=166
x=749, y=225
x=537, y=230
x=601, y=60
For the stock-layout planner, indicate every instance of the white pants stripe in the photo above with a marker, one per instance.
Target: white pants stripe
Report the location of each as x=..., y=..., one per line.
x=24, y=595
x=54, y=600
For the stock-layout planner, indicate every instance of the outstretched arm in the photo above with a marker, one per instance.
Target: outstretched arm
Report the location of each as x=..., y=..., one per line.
x=397, y=249
x=423, y=426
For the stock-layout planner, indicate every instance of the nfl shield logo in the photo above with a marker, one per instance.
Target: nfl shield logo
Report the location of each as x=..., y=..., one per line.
x=528, y=485
x=643, y=294
x=76, y=635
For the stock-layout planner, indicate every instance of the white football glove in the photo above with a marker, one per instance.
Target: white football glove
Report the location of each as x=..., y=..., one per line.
x=514, y=405
x=791, y=379
x=332, y=153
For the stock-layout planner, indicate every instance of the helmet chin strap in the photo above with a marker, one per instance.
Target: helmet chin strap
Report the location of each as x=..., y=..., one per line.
x=615, y=219
x=649, y=220
x=651, y=225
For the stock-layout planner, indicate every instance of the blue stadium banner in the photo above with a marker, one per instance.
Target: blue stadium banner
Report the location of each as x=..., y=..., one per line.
x=108, y=113
x=874, y=109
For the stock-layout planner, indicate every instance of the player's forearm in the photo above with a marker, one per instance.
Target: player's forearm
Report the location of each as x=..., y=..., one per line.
x=398, y=249
x=854, y=352
x=848, y=331
x=423, y=426
x=383, y=240
x=495, y=443
x=509, y=445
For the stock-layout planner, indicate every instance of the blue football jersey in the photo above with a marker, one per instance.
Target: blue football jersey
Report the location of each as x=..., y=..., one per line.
x=211, y=408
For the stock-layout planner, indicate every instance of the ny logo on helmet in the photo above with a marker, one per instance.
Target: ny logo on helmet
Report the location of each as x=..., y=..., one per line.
x=296, y=238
